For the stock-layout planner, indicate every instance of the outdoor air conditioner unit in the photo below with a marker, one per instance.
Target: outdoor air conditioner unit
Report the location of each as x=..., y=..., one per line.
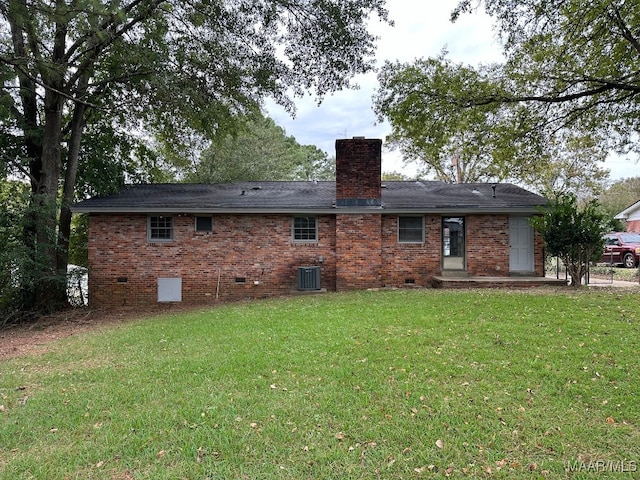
x=308, y=278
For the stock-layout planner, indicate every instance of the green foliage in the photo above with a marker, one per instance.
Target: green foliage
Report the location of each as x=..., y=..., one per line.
x=13, y=198
x=427, y=127
x=578, y=59
x=428, y=104
x=564, y=97
x=572, y=234
x=20, y=268
x=260, y=150
x=79, y=241
x=362, y=385
x=617, y=197
x=395, y=176
x=574, y=166
x=86, y=86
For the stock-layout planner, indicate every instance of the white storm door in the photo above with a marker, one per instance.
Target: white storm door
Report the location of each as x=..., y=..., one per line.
x=520, y=245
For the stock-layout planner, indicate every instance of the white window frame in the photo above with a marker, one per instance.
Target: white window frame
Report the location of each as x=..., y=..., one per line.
x=295, y=230
x=401, y=230
x=150, y=229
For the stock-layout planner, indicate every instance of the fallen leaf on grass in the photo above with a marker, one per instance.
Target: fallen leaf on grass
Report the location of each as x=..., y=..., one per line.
x=610, y=420
x=439, y=443
x=161, y=453
x=200, y=455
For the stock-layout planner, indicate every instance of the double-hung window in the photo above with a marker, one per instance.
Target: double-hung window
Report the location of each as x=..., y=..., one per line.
x=305, y=229
x=160, y=228
x=411, y=229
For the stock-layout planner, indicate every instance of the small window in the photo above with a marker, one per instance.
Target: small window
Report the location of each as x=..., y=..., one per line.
x=160, y=228
x=204, y=224
x=305, y=229
x=410, y=229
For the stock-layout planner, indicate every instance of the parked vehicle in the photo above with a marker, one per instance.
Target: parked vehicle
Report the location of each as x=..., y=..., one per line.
x=621, y=248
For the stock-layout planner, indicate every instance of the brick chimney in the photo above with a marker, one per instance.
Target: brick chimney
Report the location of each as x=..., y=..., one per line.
x=358, y=172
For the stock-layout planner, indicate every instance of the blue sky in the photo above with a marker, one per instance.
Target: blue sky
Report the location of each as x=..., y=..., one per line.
x=422, y=29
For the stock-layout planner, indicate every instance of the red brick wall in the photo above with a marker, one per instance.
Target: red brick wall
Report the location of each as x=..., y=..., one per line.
x=487, y=245
x=255, y=247
x=403, y=262
x=538, y=254
x=358, y=168
x=633, y=225
x=358, y=251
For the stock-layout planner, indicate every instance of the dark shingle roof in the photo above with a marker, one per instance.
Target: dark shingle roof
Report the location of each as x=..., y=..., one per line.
x=283, y=197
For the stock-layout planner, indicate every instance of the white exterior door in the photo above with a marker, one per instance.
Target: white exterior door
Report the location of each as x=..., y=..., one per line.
x=520, y=245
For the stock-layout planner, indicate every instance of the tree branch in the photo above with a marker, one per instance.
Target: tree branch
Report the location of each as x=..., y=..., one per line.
x=35, y=80
x=624, y=30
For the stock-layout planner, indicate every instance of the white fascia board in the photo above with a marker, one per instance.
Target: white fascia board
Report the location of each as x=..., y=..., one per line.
x=629, y=211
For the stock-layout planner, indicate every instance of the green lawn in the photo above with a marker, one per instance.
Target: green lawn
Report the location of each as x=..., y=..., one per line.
x=390, y=384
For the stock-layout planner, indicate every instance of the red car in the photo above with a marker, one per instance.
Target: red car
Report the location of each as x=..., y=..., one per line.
x=621, y=248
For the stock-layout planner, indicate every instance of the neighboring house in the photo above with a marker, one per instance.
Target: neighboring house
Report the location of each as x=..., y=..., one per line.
x=198, y=243
x=631, y=215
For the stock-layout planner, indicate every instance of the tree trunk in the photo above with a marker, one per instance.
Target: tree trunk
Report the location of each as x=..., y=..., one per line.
x=71, y=173
x=577, y=269
x=50, y=288
x=44, y=201
x=28, y=122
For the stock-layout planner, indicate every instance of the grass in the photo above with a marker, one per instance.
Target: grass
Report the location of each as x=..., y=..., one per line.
x=391, y=384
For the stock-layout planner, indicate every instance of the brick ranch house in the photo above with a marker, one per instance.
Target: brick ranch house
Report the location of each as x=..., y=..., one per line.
x=199, y=243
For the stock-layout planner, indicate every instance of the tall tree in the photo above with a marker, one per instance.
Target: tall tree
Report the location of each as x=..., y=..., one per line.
x=571, y=70
x=488, y=142
x=260, y=150
x=451, y=143
x=578, y=60
x=166, y=67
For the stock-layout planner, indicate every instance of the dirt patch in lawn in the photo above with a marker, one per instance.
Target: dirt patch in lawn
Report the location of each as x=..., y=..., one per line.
x=34, y=337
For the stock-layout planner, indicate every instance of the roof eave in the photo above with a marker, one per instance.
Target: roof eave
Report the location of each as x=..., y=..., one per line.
x=624, y=214
x=464, y=210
